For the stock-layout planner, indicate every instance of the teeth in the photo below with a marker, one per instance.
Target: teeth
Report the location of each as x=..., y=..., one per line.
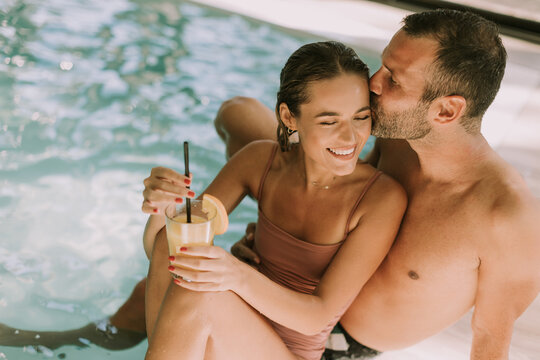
x=342, y=152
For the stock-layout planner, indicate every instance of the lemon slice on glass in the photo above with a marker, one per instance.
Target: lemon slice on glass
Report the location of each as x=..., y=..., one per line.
x=212, y=204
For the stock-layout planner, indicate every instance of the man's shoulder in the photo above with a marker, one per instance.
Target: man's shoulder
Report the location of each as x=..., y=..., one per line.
x=508, y=194
x=514, y=212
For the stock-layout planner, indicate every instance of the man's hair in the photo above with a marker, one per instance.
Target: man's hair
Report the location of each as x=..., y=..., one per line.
x=470, y=60
x=310, y=63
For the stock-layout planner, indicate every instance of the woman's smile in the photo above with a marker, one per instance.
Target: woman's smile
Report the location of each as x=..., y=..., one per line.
x=343, y=153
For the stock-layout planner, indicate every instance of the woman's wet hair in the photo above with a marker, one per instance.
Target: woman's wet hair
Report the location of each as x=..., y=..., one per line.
x=310, y=63
x=470, y=60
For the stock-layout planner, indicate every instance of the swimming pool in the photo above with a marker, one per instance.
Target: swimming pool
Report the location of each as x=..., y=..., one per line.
x=94, y=94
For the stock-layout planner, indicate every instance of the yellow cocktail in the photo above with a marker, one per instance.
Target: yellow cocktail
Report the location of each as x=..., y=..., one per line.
x=200, y=232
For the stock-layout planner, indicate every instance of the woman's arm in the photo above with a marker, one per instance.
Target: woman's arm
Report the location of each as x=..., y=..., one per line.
x=238, y=177
x=360, y=255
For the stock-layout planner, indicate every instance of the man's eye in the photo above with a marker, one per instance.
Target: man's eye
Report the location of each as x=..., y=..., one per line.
x=328, y=123
x=392, y=81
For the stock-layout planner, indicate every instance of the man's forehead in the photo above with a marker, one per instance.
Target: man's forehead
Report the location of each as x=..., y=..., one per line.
x=407, y=52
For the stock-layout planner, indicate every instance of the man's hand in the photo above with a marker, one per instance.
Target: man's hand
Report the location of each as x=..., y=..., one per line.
x=243, y=249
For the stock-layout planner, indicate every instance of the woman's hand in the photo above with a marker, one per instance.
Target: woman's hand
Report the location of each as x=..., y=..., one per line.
x=162, y=187
x=207, y=268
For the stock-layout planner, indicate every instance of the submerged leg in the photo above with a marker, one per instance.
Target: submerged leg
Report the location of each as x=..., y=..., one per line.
x=242, y=120
x=130, y=316
x=123, y=330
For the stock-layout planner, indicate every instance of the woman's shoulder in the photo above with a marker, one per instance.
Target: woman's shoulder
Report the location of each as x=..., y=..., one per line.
x=383, y=187
x=256, y=154
x=258, y=147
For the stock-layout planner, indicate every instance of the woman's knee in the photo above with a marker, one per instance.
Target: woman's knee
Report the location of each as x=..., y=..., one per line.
x=160, y=244
x=242, y=120
x=201, y=301
x=206, y=306
x=232, y=112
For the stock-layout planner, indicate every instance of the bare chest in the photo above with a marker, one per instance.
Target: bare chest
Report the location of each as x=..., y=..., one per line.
x=438, y=240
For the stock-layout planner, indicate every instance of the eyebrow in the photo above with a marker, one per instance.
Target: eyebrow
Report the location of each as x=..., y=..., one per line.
x=383, y=64
x=331, y=113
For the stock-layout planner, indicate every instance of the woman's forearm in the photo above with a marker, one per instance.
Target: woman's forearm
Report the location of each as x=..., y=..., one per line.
x=301, y=312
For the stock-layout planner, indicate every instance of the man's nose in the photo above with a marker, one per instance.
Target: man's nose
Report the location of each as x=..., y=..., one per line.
x=375, y=83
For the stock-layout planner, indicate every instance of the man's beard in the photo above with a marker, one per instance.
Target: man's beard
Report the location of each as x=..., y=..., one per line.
x=408, y=124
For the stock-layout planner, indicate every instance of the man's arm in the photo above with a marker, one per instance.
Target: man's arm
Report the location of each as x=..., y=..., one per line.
x=508, y=281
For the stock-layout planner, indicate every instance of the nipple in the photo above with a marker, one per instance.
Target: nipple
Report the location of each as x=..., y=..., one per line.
x=413, y=275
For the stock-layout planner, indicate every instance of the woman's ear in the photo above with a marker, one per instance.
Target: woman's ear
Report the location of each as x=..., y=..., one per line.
x=287, y=117
x=449, y=108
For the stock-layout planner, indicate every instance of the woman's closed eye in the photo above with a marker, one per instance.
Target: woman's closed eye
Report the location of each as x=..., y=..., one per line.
x=328, y=122
x=365, y=117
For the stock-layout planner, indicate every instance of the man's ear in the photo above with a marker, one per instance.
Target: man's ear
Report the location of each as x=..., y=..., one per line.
x=287, y=117
x=449, y=108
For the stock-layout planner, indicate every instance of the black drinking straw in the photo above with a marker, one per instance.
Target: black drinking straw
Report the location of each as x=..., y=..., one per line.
x=186, y=171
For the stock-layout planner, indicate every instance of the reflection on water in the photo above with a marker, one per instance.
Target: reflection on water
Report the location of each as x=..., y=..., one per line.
x=94, y=94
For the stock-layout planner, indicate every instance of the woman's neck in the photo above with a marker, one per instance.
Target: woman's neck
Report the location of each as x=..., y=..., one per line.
x=312, y=174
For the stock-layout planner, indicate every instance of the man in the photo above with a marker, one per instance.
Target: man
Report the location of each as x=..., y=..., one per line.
x=470, y=236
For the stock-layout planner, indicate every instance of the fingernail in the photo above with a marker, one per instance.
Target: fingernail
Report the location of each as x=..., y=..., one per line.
x=187, y=181
x=178, y=200
x=155, y=210
x=176, y=281
x=183, y=248
x=171, y=258
x=170, y=267
x=191, y=194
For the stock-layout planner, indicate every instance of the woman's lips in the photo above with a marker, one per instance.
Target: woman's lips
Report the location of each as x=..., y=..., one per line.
x=342, y=153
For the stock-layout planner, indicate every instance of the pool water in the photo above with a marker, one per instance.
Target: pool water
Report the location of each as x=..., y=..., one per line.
x=93, y=95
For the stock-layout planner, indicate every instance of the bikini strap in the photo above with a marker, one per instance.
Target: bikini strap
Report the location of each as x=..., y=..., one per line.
x=268, y=166
x=370, y=182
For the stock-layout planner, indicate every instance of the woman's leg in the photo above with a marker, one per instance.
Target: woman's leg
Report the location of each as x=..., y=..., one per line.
x=242, y=120
x=158, y=280
x=130, y=316
x=212, y=326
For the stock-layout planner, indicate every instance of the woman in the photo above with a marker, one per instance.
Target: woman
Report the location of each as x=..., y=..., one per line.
x=326, y=222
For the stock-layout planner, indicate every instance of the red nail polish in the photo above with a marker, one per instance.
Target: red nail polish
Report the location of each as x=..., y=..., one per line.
x=171, y=268
x=187, y=181
x=176, y=281
x=183, y=248
x=191, y=193
x=178, y=200
x=155, y=210
x=171, y=258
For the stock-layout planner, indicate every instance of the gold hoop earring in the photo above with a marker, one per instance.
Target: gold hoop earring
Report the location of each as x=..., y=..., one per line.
x=289, y=131
x=283, y=134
